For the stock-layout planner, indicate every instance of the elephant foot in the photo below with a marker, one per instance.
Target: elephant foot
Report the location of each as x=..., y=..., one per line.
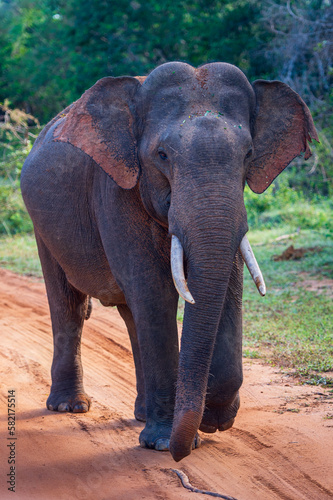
x=219, y=417
x=68, y=401
x=157, y=437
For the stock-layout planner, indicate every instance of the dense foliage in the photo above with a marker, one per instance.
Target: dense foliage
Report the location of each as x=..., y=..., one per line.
x=16, y=139
x=53, y=50
x=301, y=50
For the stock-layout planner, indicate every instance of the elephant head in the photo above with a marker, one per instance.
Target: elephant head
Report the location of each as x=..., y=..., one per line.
x=192, y=138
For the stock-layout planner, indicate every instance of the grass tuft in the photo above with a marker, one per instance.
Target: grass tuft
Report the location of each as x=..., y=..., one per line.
x=19, y=254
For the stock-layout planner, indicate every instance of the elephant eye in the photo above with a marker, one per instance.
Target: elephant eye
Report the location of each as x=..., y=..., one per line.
x=163, y=155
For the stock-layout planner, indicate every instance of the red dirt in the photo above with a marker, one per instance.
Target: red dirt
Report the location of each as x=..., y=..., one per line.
x=280, y=447
x=292, y=253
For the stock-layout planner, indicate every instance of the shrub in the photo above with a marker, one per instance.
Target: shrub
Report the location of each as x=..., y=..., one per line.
x=16, y=139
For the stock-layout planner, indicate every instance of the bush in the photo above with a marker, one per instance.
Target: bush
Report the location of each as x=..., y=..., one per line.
x=16, y=140
x=281, y=204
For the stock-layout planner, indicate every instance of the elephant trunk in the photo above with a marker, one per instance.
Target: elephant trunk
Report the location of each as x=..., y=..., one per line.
x=210, y=244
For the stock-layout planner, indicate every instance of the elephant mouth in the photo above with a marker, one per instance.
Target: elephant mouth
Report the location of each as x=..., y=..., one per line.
x=177, y=268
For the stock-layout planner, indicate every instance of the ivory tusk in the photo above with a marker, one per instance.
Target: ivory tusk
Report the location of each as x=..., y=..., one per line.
x=177, y=268
x=252, y=265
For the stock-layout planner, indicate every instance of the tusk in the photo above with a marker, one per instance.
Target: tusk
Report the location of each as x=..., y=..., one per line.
x=252, y=265
x=177, y=268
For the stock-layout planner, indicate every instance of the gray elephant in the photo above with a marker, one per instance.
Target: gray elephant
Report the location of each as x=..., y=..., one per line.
x=139, y=168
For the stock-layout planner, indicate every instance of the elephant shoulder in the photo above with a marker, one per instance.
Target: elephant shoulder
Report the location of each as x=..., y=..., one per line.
x=47, y=133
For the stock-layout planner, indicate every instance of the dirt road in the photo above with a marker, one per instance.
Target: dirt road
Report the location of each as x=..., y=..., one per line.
x=280, y=448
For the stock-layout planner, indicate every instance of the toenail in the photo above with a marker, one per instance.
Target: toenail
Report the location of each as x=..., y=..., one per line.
x=162, y=444
x=80, y=408
x=196, y=442
x=63, y=407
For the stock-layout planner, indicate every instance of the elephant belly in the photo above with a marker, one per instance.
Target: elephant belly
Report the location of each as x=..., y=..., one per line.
x=87, y=269
x=92, y=276
x=81, y=256
x=99, y=285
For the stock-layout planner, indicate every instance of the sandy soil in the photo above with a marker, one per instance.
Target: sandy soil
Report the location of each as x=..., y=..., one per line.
x=280, y=448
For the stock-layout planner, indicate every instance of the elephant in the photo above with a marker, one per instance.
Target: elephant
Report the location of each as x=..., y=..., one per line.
x=136, y=193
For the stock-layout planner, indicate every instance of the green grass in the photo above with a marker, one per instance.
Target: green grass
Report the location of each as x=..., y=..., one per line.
x=19, y=254
x=291, y=327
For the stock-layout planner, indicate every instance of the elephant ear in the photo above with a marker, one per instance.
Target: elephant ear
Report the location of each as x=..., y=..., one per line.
x=282, y=128
x=101, y=123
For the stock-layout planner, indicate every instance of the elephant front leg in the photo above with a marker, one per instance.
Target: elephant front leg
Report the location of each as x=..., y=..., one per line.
x=226, y=375
x=156, y=327
x=68, y=308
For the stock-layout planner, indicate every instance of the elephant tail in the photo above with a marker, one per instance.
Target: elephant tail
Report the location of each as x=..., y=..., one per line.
x=88, y=308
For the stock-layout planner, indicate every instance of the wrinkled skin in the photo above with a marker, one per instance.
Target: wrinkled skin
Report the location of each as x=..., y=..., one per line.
x=107, y=183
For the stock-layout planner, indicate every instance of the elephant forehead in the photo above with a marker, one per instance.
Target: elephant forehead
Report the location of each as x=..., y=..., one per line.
x=172, y=106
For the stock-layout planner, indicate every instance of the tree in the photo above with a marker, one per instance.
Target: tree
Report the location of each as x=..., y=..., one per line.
x=54, y=50
x=302, y=54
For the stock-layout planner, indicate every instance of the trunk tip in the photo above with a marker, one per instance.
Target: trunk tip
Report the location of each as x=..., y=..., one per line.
x=178, y=453
x=184, y=436
x=180, y=447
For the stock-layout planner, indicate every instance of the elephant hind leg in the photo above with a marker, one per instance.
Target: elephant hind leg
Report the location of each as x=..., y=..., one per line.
x=68, y=308
x=140, y=404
